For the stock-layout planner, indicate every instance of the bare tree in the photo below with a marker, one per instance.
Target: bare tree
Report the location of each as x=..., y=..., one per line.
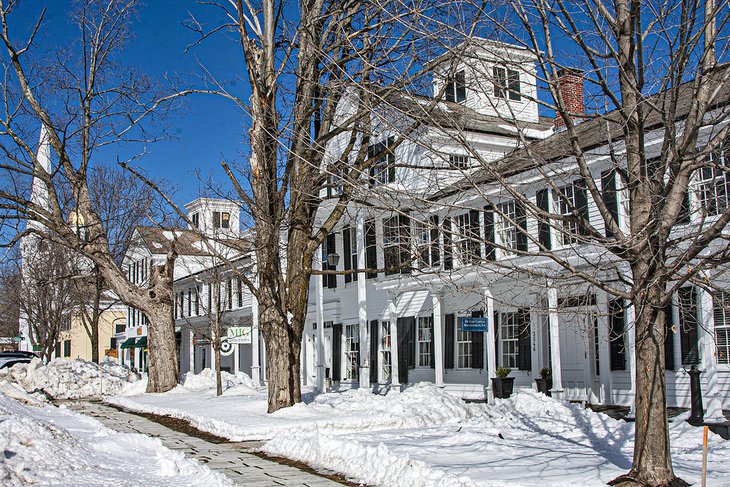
x=88, y=101
x=9, y=299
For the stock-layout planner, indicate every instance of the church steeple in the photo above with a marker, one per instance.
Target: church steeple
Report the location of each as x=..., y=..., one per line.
x=39, y=191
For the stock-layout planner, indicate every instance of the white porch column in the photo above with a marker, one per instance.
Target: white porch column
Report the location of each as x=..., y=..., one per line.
x=319, y=313
x=255, y=343
x=362, y=305
x=395, y=383
x=535, y=329
x=604, y=355
x=187, y=346
x=438, y=337
x=555, y=362
x=710, y=396
x=630, y=327
x=491, y=333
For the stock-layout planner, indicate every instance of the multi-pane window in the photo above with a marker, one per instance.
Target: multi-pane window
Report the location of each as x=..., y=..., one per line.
x=509, y=339
x=456, y=87
x=190, y=302
x=506, y=83
x=712, y=184
x=425, y=329
x=349, y=246
x=385, y=350
x=506, y=228
x=463, y=348
x=565, y=202
x=457, y=161
x=221, y=219
x=195, y=219
x=467, y=237
x=352, y=339
x=396, y=244
x=722, y=327
x=382, y=167
x=429, y=254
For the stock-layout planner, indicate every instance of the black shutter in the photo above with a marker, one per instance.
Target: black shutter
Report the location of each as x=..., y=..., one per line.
x=331, y=248
x=434, y=241
x=610, y=197
x=521, y=221
x=347, y=250
x=404, y=326
x=616, y=343
x=684, y=213
x=433, y=344
x=475, y=244
x=581, y=204
x=524, y=352
x=448, y=245
x=497, y=317
x=390, y=157
x=669, y=338
x=404, y=252
x=336, y=351
x=477, y=345
x=449, y=332
x=543, y=225
x=371, y=249
x=411, y=342
x=688, y=326
x=460, y=86
x=374, y=328
x=489, y=233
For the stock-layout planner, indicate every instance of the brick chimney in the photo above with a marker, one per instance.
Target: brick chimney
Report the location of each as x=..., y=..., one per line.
x=570, y=84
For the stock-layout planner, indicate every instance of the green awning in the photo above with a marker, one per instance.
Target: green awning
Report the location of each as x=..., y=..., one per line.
x=128, y=343
x=141, y=343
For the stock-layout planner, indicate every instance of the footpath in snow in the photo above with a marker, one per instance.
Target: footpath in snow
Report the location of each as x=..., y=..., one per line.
x=424, y=436
x=47, y=445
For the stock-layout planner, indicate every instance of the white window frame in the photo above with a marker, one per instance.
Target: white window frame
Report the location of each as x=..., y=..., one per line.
x=509, y=339
x=459, y=161
x=711, y=185
x=452, y=90
x=467, y=238
x=564, y=205
x=505, y=228
x=721, y=313
x=424, y=332
x=464, y=351
x=352, y=338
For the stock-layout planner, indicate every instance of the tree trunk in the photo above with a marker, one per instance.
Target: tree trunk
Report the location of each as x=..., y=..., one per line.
x=163, y=363
x=217, y=354
x=283, y=346
x=652, y=464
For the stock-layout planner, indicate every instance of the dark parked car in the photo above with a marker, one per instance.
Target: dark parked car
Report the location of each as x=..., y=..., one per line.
x=8, y=359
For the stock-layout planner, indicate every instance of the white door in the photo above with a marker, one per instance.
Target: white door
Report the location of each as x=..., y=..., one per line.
x=575, y=339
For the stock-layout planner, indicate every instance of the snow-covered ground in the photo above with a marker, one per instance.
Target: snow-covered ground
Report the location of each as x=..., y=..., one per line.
x=46, y=445
x=73, y=379
x=423, y=436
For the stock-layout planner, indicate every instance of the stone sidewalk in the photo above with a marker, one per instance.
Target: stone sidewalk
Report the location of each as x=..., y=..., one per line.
x=230, y=459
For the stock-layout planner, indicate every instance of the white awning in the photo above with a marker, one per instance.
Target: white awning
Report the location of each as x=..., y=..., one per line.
x=411, y=303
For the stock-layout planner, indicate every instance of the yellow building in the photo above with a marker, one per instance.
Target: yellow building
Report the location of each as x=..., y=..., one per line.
x=74, y=341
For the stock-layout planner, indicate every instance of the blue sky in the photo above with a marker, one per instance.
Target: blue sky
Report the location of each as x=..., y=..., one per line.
x=207, y=129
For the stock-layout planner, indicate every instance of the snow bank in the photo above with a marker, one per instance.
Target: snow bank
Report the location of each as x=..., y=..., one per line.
x=70, y=379
x=52, y=446
x=205, y=381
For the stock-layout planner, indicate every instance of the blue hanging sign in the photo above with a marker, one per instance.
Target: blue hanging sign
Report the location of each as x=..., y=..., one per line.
x=474, y=324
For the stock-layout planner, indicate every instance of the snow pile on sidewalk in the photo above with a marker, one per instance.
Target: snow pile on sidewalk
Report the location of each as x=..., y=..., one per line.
x=70, y=379
x=528, y=440
x=205, y=381
x=245, y=418
x=52, y=446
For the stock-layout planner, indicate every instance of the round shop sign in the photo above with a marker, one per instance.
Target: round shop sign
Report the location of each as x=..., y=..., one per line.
x=226, y=348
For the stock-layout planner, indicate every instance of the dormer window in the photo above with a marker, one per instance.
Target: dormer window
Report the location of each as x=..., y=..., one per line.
x=221, y=219
x=458, y=161
x=456, y=87
x=195, y=218
x=506, y=83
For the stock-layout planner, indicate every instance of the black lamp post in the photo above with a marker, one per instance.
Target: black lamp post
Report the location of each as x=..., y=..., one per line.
x=697, y=416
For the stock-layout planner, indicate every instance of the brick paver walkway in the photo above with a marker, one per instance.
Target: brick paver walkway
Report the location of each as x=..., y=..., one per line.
x=230, y=459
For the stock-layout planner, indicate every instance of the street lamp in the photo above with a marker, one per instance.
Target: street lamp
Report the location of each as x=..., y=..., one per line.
x=333, y=259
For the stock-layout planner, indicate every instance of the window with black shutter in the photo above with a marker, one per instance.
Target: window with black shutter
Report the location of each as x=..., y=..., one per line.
x=581, y=205
x=524, y=351
x=456, y=87
x=435, y=247
x=448, y=245
x=490, y=253
x=371, y=249
x=521, y=221
x=449, y=332
x=669, y=338
x=329, y=247
x=688, y=326
x=336, y=352
x=382, y=167
x=477, y=345
x=610, y=196
x=349, y=249
x=616, y=342
x=411, y=342
x=374, y=340
x=543, y=225
x=404, y=351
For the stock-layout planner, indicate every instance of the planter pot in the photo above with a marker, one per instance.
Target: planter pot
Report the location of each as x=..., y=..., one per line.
x=544, y=386
x=502, y=388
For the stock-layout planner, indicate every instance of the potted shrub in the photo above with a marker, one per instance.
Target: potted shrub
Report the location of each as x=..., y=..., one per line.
x=545, y=382
x=502, y=385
